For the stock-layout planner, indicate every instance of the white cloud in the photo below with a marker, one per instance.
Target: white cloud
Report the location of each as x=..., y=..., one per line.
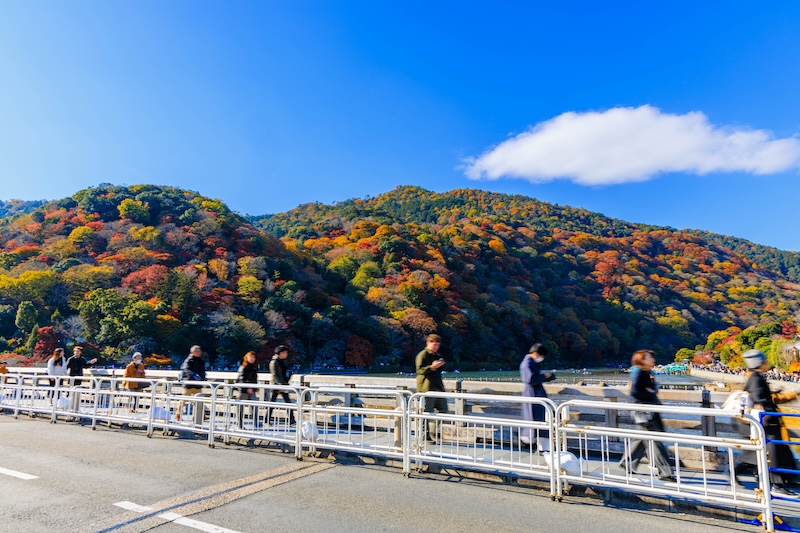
x=627, y=144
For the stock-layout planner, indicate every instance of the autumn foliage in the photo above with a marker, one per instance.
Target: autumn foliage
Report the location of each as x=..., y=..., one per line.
x=360, y=283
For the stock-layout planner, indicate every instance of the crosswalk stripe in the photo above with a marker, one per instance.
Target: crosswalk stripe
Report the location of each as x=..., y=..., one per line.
x=195, y=524
x=20, y=475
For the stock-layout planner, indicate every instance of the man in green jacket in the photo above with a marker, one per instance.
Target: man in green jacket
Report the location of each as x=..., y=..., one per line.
x=429, y=378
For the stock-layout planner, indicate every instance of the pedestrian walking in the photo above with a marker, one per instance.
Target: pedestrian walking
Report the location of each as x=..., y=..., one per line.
x=281, y=373
x=645, y=391
x=135, y=369
x=533, y=379
x=762, y=398
x=429, y=364
x=193, y=368
x=248, y=375
x=56, y=367
x=75, y=366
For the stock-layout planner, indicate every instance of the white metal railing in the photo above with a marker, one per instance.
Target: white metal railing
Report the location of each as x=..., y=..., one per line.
x=260, y=418
x=707, y=482
x=479, y=441
x=336, y=424
x=390, y=423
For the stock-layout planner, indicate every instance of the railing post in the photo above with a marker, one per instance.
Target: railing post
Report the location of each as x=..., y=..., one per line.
x=612, y=420
x=348, y=396
x=709, y=422
x=459, y=403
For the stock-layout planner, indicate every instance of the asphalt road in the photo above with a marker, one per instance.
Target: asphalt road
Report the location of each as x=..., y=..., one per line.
x=181, y=485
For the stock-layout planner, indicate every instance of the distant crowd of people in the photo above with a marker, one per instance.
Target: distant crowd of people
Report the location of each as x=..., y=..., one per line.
x=775, y=374
x=192, y=375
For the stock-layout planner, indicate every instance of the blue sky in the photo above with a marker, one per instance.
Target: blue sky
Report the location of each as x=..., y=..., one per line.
x=677, y=113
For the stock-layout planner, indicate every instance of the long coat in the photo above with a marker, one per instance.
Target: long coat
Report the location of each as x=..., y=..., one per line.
x=531, y=376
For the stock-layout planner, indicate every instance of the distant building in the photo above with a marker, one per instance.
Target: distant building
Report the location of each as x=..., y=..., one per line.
x=791, y=352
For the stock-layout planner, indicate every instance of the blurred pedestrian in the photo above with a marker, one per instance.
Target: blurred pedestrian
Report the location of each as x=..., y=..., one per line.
x=645, y=391
x=762, y=398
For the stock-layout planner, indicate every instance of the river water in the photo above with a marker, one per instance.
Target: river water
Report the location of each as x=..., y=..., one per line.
x=610, y=376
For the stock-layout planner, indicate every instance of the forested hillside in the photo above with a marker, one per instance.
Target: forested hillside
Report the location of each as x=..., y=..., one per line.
x=361, y=283
x=780, y=261
x=494, y=271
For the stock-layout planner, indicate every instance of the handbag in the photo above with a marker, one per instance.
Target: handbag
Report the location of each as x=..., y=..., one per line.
x=642, y=417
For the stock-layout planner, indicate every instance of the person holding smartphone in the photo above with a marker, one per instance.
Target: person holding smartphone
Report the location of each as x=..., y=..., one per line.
x=533, y=379
x=429, y=378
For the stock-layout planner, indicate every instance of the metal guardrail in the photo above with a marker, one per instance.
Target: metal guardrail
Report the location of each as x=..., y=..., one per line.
x=393, y=425
x=339, y=425
x=480, y=442
x=709, y=483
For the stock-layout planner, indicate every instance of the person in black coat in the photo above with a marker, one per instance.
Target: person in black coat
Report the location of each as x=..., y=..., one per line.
x=279, y=368
x=193, y=369
x=75, y=366
x=248, y=375
x=779, y=455
x=645, y=391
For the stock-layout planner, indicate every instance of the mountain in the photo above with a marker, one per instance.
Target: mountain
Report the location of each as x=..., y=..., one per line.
x=495, y=272
x=150, y=268
x=781, y=261
x=363, y=281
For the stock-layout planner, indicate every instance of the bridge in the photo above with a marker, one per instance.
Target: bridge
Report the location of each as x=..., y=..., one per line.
x=479, y=443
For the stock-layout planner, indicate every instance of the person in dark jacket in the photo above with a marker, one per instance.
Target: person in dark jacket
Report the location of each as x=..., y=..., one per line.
x=248, y=375
x=279, y=368
x=533, y=378
x=779, y=455
x=75, y=366
x=645, y=391
x=429, y=366
x=193, y=369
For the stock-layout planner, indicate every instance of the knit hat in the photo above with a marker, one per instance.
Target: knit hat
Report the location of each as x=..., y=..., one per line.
x=754, y=358
x=137, y=355
x=281, y=348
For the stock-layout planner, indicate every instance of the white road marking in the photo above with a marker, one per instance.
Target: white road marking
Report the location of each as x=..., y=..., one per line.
x=176, y=518
x=14, y=473
x=196, y=524
x=130, y=506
